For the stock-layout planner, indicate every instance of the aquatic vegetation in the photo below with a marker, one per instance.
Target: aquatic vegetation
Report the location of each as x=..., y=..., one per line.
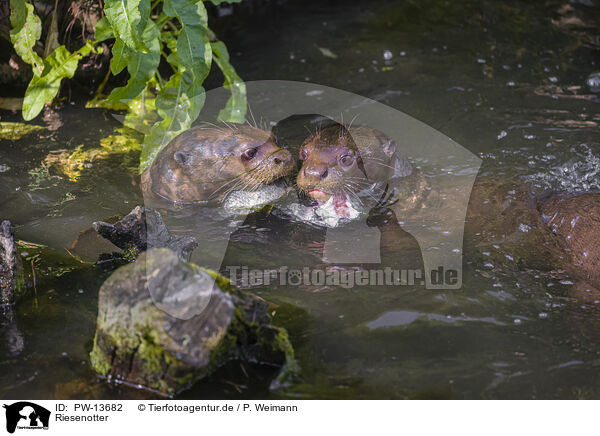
x=72, y=162
x=15, y=131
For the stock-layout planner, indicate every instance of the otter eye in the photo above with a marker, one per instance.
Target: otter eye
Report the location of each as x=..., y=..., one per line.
x=303, y=155
x=250, y=153
x=346, y=160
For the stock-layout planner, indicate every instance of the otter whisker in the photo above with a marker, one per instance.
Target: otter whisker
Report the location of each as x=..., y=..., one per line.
x=383, y=165
x=252, y=115
x=235, y=179
x=360, y=184
x=349, y=193
x=210, y=125
x=229, y=126
x=352, y=121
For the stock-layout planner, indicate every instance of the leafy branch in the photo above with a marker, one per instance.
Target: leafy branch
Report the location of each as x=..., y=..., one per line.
x=143, y=34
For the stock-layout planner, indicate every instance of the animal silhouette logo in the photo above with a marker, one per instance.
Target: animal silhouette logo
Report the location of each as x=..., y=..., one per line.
x=26, y=415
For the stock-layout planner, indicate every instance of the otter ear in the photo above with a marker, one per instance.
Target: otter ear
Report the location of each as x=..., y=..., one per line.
x=389, y=148
x=182, y=158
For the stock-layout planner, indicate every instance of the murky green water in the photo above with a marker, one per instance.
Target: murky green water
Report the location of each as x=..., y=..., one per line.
x=507, y=81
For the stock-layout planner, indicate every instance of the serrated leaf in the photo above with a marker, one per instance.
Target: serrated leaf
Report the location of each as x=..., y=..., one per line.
x=159, y=136
x=42, y=89
x=194, y=51
x=103, y=30
x=26, y=30
x=193, y=45
x=141, y=66
x=181, y=99
x=235, y=109
x=128, y=19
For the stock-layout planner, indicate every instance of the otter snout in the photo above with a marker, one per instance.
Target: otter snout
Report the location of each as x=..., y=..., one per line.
x=316, y=180
x=315, y=172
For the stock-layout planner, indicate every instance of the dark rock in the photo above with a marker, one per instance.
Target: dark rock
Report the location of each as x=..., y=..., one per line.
x=11, y=285
x=132, y=233
x=163, y=324
x=11, y=279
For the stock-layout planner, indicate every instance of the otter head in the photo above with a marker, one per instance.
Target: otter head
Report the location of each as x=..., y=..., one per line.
x=206, y=163
x=261, y=157
x=332, y=165
x=345, y=165
x=245, y=152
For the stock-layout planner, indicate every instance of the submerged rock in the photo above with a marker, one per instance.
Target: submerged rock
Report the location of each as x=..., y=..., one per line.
x=138, y=342
x=132, y=233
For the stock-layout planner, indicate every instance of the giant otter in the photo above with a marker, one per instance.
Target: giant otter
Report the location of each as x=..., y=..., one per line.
x=539, y=231
x=205, y=164
x=341, y=166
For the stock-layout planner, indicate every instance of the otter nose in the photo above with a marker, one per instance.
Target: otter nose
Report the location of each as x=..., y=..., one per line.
x=316, y=171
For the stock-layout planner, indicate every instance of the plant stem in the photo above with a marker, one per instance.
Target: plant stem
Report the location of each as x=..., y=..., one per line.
x=162, y=20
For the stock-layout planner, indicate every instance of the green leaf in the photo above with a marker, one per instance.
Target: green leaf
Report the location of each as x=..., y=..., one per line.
x=194, y=51
x=42, y=89
x=128, y=19
x=103, y=30
x=52, y=37
x=26, y=30
x=193, y=45
x=189, y=12
x=141, y=66
x=169, y=39
x=181, y=99
x=235, y=109
x=179, y=104
x=120, y=56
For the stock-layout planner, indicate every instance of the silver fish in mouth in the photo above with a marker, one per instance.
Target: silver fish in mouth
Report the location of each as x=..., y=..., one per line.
x=242, y=201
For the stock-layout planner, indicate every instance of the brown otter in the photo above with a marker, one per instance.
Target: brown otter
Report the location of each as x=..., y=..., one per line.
x=499, y=212
x=575, y=222
x=340, y=164
x=206, y=163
